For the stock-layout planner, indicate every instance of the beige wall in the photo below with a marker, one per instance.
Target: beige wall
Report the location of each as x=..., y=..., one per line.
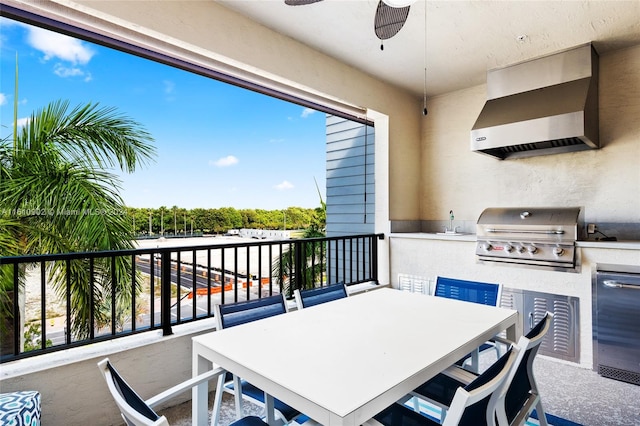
x=73, y=391
x=605, y=182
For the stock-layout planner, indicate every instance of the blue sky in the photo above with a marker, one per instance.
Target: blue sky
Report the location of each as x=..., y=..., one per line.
x=217, y=145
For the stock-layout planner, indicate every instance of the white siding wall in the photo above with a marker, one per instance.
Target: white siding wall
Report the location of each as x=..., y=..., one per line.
x=350, y=177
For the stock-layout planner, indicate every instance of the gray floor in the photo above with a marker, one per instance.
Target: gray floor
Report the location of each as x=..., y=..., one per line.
x=585, y=397
x=571, y=392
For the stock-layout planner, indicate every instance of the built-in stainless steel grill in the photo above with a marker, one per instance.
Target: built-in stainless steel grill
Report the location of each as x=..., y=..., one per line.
x=535, y=237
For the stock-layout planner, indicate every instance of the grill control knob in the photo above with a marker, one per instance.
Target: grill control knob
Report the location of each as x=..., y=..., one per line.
x=508, y=248
x=486, y=246
x=519, y=249
x=532, y=249
x=558, y=251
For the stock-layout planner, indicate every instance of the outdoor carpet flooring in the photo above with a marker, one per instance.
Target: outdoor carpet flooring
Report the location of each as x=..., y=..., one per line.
x=433, y=412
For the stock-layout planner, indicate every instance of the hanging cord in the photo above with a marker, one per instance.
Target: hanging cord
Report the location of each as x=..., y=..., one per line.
x=424, y=111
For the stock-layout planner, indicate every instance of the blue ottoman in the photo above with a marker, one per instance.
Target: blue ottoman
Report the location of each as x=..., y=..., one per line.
x=20, y=408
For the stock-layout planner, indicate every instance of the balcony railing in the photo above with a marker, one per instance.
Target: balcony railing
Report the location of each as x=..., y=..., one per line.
x=57, y=301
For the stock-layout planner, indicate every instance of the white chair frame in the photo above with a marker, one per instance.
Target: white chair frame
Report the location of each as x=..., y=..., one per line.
x=463, y=398
x=133, y=417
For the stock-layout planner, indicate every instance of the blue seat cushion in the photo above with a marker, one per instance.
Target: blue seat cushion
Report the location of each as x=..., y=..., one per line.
x=469, y=291
x=441, y=389
x=253, y=392
x=399, y=415
x=132, y=398
x=320, y=295
x=251, y=310
x=249, y=421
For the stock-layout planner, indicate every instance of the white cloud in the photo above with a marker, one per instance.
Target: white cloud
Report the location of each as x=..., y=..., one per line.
x=23, y=121
x=307, y=112
x=65, y=72
x=3, y=99
x=284, y=185
x=169, y=86
x=229, y=160
x=60, y=46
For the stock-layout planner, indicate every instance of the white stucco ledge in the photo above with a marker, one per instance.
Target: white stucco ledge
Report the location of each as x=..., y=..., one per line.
x=101, y=349
x=623, y=245
x=433, y=236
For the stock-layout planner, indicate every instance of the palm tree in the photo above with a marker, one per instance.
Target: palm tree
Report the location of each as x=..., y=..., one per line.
x=313, y=263
x=58, y=196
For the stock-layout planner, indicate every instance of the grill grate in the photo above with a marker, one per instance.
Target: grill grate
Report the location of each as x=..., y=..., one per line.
x=618, y=374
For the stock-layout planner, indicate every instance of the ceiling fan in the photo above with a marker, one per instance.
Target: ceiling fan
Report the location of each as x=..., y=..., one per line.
x=389, y=20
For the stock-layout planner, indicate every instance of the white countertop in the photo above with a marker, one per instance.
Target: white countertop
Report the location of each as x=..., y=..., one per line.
x=624, y=245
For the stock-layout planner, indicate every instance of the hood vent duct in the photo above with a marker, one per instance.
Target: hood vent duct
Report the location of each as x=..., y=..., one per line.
x=547, y=105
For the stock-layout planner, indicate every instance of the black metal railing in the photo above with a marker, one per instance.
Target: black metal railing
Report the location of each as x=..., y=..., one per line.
x=57, y=301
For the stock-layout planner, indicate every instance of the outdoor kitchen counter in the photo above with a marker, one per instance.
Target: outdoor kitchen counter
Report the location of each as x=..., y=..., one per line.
x=622, y=245
x=427, y=255
x=433, y=236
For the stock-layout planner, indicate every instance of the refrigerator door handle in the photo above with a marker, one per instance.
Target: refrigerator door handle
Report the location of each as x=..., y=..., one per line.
x=618, y=284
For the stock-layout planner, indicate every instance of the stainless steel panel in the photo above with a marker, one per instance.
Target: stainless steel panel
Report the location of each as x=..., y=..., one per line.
x=543, y=237
x=616, y=327
x=562, y=339
x=544, y=106
x=529, y=218
x=560, y=67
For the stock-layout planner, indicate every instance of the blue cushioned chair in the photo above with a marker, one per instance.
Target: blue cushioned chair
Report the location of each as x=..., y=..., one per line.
x=316, y=296
x=476, y=292
x=516, y=400
x=473, y=404
x=139, y=412
x=234, y=314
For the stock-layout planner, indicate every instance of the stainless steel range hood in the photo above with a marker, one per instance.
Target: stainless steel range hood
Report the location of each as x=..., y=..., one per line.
x=547, y=105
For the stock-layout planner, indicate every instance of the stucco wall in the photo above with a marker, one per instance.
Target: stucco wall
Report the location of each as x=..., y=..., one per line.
x=73, y=391
x=605, y=182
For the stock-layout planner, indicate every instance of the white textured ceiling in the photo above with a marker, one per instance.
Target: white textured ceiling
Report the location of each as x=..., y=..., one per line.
x=464, y=39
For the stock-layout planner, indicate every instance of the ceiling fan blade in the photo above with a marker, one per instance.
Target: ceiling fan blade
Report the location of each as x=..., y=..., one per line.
x=389, y=20
x=300, y=2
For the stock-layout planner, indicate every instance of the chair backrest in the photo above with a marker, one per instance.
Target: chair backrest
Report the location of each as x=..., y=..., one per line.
x=522, y=393
x=475, y=404
x=316, y=296
x=232, y=314
x=470, y=291
x=135, y=411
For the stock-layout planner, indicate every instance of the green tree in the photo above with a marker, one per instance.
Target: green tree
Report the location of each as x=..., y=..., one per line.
x=313, y=264
x=57, y=195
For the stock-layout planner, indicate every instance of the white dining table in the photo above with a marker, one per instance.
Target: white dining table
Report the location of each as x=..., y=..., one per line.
x=344, y=361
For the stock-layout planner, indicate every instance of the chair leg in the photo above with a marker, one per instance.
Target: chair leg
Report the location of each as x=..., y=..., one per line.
x=475, y=361
x=237, y=387
x=217, y=402
x=416, y=404
x=542, y=416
